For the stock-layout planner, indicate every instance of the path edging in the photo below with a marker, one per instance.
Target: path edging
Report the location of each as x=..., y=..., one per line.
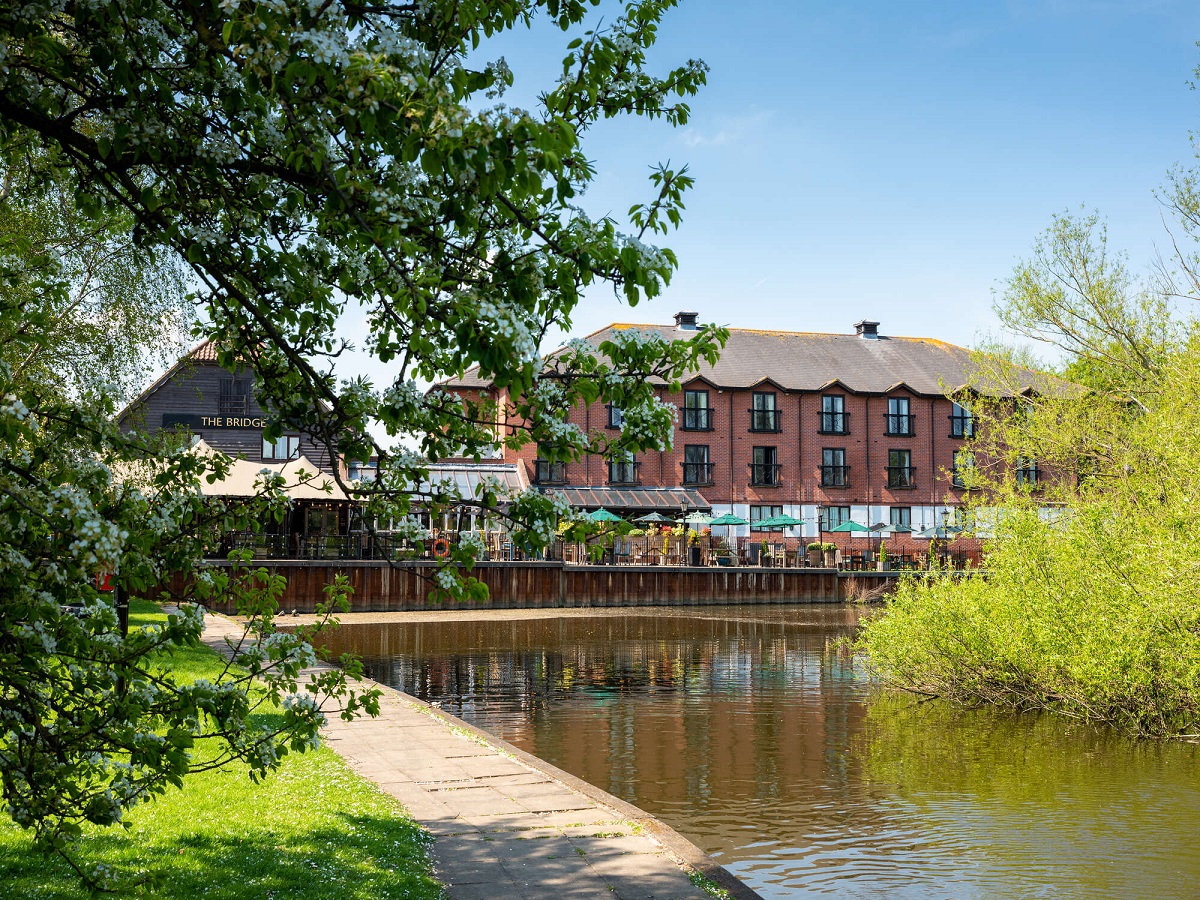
x=675, y=843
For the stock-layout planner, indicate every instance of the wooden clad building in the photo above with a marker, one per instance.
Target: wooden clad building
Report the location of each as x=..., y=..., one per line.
x=198, y=396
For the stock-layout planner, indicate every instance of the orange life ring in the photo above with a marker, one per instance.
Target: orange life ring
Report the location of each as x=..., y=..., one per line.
x=441, y=547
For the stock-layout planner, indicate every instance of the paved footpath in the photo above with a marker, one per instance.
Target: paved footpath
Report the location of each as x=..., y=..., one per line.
x=506, y=824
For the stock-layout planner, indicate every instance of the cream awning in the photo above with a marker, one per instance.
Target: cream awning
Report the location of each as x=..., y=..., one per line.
x=244, y=476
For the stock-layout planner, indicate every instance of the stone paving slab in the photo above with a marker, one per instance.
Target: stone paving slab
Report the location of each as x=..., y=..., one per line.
x=505, y=824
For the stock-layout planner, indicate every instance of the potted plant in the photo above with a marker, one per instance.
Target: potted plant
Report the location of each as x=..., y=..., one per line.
x=693, y=548
x=814, y=553
x=882, y=563
x=764, y=555
x=829, y=551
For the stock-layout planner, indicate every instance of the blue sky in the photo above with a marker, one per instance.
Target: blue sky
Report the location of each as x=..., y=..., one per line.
x=891, y=160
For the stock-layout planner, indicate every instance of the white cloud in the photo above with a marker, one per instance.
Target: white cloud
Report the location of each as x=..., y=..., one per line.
x=725, y=130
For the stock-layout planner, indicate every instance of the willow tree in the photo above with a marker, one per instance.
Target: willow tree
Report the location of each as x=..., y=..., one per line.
x=304, y=159
x=88, y=310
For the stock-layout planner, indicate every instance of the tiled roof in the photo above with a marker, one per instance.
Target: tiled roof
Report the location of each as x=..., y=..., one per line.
x=809, y=361
x=206, y=352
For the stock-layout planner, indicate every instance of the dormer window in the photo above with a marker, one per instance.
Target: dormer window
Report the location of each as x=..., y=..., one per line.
x=834, y=415
x=962, y=423
x=697, y=416
x=763, y=414
x=899, y=419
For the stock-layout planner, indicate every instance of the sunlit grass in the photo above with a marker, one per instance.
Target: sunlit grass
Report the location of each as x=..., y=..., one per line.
x=313, y=829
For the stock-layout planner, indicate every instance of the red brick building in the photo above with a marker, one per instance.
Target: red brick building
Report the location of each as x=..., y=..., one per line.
x=823, y=427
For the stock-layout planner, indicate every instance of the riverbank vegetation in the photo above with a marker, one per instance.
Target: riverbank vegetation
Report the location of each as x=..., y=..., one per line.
x=313, y=830
x=1089, y=494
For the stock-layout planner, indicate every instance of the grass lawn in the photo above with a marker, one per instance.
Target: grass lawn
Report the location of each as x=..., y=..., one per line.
x=313, y=829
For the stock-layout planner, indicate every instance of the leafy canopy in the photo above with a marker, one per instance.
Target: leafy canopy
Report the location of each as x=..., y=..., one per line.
x=302, y=158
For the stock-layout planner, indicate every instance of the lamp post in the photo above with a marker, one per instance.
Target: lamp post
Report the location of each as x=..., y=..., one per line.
x=683, y=549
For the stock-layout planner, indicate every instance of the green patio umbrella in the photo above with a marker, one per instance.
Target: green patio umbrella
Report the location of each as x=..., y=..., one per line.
x=728, y=519
x=940, y=532
x=850, y=527
x=603, y=515
x=783, y=520
x=697, y=518
x=657, y=518
x=883, y=529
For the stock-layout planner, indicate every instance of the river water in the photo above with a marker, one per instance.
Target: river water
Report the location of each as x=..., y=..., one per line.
x=750, y=731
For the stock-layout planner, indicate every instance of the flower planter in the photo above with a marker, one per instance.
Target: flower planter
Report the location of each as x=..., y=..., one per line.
x=693, y=556
x=830, y=558
x=814, y=558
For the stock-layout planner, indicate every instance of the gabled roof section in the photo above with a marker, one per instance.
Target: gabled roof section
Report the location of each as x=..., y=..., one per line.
x=694, y=379
x=812, y=361
x=768, y=381
x=204, y=353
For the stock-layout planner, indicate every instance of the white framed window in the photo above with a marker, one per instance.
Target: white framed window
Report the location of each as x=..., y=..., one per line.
x=285, y=447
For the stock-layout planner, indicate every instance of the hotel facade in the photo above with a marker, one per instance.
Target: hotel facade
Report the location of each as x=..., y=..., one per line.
x=824, y=427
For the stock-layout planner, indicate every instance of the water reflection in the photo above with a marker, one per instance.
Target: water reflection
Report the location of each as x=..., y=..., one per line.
x=750, y=732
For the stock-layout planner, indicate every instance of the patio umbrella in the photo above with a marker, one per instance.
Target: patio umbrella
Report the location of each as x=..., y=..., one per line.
x=603, y=515
x=728, y=519
x=697, y=518
x=883, y=529
x=850, y=527
x=654, y=517
x=783, y=520
x=938, y=532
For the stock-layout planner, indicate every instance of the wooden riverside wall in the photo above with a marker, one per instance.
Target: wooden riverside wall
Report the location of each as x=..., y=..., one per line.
x=380, y=587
